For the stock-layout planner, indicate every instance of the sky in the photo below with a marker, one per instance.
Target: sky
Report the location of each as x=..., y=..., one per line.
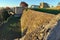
x=14, y=3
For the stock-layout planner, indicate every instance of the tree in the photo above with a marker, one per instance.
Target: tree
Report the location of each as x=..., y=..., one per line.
x=23, y=4
x=5, y=14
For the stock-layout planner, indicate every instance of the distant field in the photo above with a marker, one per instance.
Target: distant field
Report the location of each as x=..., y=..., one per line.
x=52, y=11
x=54, y=8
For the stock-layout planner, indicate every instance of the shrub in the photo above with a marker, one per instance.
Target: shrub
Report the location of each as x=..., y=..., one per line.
x=47, y=10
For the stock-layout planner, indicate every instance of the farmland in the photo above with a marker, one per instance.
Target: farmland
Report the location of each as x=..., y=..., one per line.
x=51, y=11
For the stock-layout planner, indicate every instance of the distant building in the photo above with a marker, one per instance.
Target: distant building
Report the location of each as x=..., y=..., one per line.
x=18, y=11
x=44, y=5
x=35, y=6
x=24, y=4
x=58, y=6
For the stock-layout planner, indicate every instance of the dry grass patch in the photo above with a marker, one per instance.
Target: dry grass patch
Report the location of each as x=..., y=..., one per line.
x=31, y=20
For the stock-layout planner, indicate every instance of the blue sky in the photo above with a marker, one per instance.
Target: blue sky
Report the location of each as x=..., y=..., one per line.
x=12, y=3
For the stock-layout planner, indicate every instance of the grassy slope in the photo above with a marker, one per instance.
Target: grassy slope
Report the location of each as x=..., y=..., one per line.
x=41, y=33
x=32, y=19
x=33, y=24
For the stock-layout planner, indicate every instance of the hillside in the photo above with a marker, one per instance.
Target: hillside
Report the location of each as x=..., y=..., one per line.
x=33, y=24
x=32, y=18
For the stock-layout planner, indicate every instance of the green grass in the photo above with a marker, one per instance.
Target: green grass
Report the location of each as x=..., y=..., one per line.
x=51, y=11
x=10, y=28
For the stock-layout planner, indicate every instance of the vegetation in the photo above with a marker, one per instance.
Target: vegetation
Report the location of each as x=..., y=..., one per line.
x=3, y=15
x=37, y=25
x=9, y=26
x=51, y=11
x=32, y=19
